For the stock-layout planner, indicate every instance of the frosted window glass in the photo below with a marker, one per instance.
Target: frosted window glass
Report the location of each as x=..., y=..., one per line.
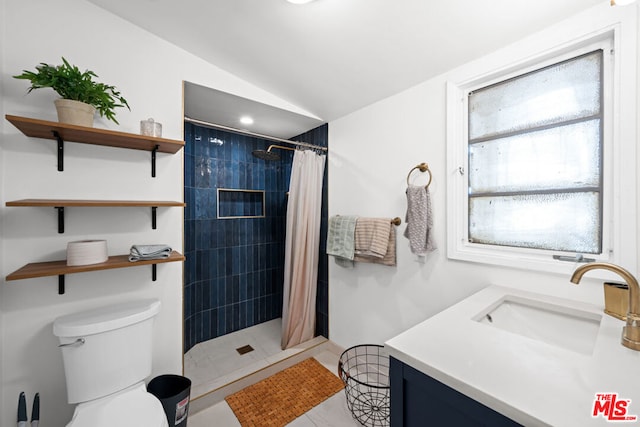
x=564, y=91
x=561, y=157
x=535, y=159
x=567, y=222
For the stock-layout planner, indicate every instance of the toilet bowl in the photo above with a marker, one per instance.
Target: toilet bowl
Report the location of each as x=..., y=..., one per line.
x=107, y=356
x=130, y=407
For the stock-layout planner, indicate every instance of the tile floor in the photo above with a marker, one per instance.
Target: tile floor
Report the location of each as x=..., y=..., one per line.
x=215, y=363
x=333, y=412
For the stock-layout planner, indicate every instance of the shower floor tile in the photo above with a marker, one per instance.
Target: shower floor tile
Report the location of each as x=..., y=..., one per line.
x=215, y=363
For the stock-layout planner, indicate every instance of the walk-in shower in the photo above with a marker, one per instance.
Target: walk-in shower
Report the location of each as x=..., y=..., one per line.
x=235, y=265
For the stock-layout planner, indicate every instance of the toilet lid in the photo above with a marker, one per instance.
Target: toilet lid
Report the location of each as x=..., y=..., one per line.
x=133, y=407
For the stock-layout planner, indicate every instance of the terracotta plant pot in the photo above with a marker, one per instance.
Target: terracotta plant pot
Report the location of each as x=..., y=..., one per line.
x=75, y=112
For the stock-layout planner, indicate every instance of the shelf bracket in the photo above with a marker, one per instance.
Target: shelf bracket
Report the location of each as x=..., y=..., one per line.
x=153, y=160
x=154, y=210
x=60, y=150
x=61, y=284
x=60, y=219
x=154, y=272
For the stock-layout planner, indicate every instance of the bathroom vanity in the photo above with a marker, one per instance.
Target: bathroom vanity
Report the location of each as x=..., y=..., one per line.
x=417, y=397
x=505, y=357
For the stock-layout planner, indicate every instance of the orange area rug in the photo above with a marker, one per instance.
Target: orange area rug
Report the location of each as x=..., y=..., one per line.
x=283, y=397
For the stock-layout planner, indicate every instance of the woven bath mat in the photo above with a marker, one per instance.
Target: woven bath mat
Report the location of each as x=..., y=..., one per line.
x=283, y=397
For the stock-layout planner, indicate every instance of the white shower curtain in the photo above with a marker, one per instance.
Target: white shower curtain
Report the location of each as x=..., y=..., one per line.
x=302, y=248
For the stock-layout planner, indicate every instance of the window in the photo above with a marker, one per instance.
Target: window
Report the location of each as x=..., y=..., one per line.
x=537, y=154
x=535, y=150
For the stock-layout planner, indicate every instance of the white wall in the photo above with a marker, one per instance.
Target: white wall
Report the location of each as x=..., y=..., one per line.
x=372, y=151
x=2, y=127
x=149, y=73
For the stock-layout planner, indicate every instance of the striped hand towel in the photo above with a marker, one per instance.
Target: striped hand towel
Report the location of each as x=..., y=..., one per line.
x=389, y=257
x=372, y=236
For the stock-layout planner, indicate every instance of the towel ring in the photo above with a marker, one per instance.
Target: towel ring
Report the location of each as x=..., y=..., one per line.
x=422, y=167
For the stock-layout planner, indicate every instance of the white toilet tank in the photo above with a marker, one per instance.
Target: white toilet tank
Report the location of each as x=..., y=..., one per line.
x=106, y=349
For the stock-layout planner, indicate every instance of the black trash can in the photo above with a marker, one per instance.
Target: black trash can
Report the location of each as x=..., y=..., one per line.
x=173, y=391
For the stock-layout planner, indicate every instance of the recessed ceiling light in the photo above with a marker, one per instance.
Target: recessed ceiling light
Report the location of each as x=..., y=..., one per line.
x=246, y=120
x=299, y=1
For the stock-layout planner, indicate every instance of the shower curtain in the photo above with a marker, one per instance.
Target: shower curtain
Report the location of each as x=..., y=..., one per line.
x=302, y=247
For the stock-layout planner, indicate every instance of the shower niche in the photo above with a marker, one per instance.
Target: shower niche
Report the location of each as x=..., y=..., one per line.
x=234, y=203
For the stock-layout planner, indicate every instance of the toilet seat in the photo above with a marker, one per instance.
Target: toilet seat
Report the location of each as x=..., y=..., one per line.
x=131, y=407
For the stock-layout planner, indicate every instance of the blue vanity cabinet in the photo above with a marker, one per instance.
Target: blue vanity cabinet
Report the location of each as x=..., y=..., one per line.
x=419, y=400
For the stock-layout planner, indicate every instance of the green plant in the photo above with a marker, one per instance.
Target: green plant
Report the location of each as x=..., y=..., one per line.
x=70, y=83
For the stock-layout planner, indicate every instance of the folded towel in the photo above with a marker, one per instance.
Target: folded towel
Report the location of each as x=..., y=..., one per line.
x=389, y=257
x=144, y=252
x=419, y=220
x=340, y=236
x=372, y=236
x=343, y=262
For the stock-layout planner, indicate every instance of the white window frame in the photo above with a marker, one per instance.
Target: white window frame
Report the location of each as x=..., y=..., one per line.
x=619, y=176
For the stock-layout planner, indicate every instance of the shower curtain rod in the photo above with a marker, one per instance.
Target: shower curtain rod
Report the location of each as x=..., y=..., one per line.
x=257, y=135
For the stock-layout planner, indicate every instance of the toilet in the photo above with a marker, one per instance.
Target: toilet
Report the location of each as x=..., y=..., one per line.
x=107, y=356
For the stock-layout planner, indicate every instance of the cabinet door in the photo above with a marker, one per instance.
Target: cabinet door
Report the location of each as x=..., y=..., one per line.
x=419, y=400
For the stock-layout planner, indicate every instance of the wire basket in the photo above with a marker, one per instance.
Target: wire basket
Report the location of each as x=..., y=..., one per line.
x=364, y=369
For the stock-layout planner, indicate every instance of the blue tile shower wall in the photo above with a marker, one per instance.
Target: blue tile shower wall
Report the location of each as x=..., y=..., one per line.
x=234, y=267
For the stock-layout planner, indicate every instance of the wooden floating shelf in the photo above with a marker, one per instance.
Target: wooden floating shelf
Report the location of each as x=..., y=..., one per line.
x=56, y=268
x=60, y=204
x=93, y=203
x=60, y=268
x=88, y=135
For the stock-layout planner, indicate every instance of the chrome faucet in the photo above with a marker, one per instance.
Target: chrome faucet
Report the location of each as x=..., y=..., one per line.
x=631, y=331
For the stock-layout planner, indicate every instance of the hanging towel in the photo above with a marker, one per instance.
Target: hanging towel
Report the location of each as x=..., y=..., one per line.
x=341, y=239
x=419, y=220
x=372, y=236
x=143, y=252
x=390, y=255
x=344, y=262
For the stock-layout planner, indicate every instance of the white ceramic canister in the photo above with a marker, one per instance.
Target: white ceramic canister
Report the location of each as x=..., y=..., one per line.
x=150, y=127
x=86, y=252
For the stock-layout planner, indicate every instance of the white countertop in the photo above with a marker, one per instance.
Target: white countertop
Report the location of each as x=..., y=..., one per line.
x=529, y=381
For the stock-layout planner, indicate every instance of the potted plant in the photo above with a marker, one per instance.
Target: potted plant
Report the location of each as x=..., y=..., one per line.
x=77, y=89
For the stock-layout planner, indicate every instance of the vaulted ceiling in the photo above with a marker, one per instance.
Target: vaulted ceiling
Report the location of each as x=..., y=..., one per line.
x=332, y=57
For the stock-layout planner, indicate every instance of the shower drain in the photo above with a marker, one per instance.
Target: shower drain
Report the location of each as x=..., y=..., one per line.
x=244, y=349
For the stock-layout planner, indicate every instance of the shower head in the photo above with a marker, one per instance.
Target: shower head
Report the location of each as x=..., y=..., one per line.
x=268, y=154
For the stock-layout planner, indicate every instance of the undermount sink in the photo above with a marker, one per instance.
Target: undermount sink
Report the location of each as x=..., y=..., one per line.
x=560, y=326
